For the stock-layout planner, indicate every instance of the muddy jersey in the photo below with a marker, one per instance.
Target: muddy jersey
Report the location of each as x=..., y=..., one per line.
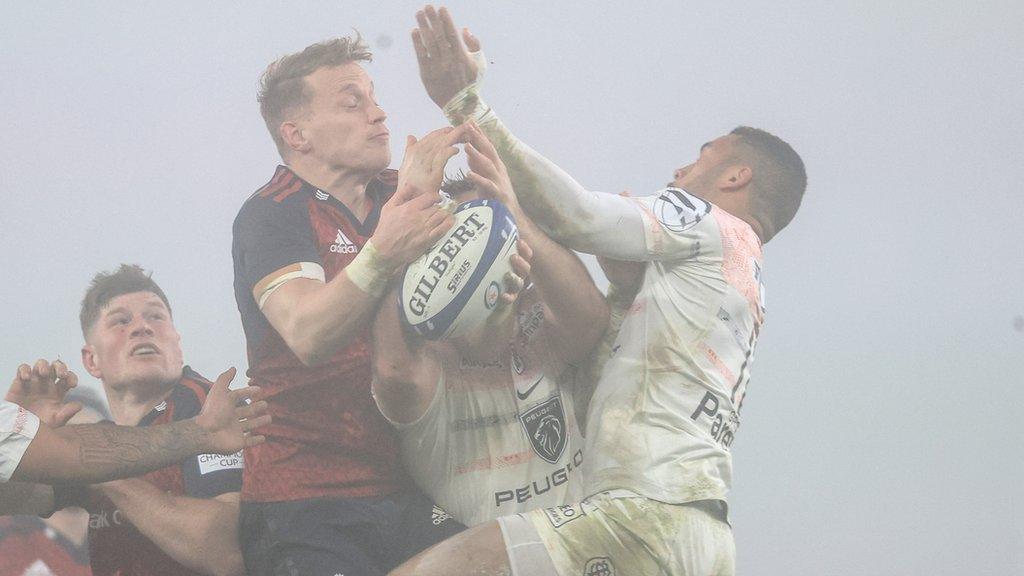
x=327, y=438
x=666, y=409
x=17, y=429
x=500, y=437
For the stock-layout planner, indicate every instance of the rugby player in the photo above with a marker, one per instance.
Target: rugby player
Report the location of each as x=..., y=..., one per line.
x=181, y=519
x=32, y=451
x=313, y=252
x=666, y=408
x=486, y=420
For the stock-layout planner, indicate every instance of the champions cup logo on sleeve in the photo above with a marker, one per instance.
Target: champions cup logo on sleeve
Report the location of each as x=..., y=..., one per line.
x=678, y=210
x=215, y=462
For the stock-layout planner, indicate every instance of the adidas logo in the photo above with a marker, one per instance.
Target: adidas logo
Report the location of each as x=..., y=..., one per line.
x=438, y=515
x=342, y=245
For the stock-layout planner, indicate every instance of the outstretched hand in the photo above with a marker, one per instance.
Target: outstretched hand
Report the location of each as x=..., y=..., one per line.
x=40, y=389
x=228, y=419
x=445, y=65
x=411, y=221
x=487, y=171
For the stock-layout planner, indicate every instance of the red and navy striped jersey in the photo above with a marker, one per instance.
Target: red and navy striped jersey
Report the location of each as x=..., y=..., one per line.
x=116, y=547
x=327, y=439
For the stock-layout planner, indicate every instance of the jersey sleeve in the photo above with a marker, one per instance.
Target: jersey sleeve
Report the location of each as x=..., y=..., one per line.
x=273, y=239
x=18, y=427
x=676, y=224
x=205, y=475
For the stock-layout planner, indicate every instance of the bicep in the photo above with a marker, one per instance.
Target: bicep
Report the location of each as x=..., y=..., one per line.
x=279, y=305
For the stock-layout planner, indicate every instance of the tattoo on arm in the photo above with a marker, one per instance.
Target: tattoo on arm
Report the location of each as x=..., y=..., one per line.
x=105, y=450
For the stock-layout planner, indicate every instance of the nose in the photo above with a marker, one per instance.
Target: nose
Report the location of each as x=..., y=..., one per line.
x=377, y=115
x=141, y=327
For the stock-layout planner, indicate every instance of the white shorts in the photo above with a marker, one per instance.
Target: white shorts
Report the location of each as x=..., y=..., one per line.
x=620, y=533
x=17, y=429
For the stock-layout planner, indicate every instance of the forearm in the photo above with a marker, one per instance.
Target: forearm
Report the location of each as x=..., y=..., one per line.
x=404, y=381
x=25, y=498
x=576, y=306
x=580, y=219
x=200, y=534
x=92, y=453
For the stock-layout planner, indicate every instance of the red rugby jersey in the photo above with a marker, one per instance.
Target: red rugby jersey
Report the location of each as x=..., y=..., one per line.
x=116, y=547
x=327, y=439
x=29, y=547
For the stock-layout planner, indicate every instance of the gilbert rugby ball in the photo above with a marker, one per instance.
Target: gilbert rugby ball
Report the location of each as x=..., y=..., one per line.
x=457, y=283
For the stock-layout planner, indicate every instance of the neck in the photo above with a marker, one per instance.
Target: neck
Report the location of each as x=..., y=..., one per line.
x=129, y=403
x=348, y=186
x=736, y=205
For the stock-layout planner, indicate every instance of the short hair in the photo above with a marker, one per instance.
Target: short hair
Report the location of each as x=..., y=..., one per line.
x=779, y=175
x=105, y=286
x=283, y=84
x=459, y=183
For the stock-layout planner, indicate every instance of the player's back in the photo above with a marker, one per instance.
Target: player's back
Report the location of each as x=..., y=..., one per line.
x=666, y=408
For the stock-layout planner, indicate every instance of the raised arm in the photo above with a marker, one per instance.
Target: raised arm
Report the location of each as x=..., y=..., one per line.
x=575, y=309
x=576, y=217
x=316, y=318
x=92, y=453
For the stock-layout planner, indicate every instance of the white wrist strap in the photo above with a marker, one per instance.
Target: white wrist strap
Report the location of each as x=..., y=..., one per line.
x=369, y=271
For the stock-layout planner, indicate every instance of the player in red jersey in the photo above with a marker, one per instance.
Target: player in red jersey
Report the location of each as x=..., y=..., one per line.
x=313, y=252
x=178, y=520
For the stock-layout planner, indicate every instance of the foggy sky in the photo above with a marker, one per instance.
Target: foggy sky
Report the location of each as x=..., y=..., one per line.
x=881, y=433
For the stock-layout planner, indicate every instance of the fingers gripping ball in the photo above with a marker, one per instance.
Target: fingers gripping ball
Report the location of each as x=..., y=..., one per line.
x=458, y=283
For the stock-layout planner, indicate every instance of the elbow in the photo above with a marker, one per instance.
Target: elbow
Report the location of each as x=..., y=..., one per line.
x=391, y=378
x=306, y=346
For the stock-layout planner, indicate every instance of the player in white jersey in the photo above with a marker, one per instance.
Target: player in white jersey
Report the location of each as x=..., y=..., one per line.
x=666, y=408
x=487, y=421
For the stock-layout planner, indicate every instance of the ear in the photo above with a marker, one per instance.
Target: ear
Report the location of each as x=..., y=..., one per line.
x=293, y=136
x=735, y=178
x=89, y=360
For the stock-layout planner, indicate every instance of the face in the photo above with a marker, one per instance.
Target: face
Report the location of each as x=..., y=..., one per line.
x=698, y=177
x=134, y=343
x=342, y=123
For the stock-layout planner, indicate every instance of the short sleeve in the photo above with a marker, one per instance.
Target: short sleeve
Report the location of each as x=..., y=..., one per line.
x=209, y=475
x=18, y=427
x=269, y=236
x=675, y=224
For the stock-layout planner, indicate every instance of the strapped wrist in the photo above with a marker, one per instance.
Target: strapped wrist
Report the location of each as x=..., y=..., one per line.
x=370, y=271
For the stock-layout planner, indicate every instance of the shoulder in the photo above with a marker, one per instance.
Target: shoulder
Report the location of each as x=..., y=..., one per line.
x=189, y=394
x=283, y=194
x=677, y=210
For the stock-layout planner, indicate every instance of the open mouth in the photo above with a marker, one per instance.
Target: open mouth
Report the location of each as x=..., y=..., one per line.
x=144, y=350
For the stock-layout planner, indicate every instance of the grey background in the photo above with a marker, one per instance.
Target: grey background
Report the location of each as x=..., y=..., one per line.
x=881, y=432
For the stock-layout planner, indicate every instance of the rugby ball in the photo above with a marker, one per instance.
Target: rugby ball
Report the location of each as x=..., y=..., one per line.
x=458, y=282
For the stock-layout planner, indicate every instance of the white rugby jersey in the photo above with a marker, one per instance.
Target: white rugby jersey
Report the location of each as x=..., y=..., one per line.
x=666, y=407
x=501, y=437
x=17, y=429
